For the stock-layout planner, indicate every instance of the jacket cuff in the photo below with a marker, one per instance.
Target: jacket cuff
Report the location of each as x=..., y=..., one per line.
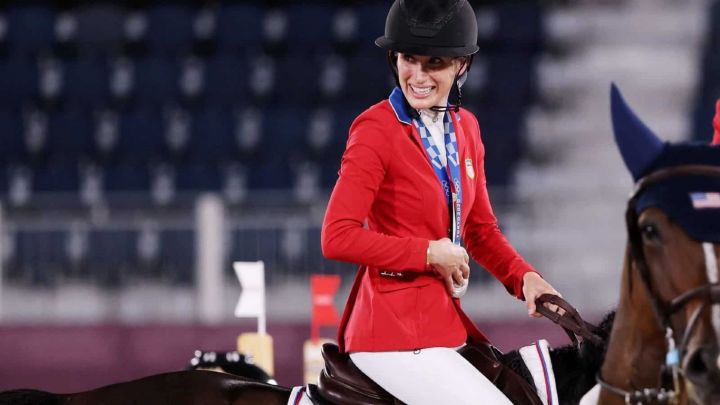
x=417, y=256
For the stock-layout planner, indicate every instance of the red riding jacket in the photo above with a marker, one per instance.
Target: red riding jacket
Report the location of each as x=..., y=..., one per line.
x=396, y=302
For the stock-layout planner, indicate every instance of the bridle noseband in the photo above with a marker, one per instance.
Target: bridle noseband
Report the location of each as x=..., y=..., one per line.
x=708, y=293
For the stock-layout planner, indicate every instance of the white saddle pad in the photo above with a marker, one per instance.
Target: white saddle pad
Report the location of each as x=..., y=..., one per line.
x=298, y=396
x=537, y=360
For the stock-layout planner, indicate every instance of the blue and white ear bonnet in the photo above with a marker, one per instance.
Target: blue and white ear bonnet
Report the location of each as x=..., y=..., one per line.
x=691, y=201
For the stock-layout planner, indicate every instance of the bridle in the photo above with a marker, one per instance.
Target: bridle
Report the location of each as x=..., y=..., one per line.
x=709, y=294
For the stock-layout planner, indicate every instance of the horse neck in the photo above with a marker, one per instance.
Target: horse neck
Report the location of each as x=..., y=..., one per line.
x=636, y=348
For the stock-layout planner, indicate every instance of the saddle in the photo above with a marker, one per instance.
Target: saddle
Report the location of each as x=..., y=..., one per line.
x=341, y=382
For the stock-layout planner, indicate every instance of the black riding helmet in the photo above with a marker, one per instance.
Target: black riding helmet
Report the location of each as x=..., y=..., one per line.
x=431, y=28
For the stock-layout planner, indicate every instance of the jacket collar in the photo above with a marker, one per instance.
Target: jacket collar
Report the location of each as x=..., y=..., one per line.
x=402, y=109
x=400, y=106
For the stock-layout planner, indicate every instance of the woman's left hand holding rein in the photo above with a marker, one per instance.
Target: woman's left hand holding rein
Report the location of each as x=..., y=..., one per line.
x=535, y=286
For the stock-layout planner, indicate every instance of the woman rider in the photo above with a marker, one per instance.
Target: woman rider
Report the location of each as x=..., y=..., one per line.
x=411, y=193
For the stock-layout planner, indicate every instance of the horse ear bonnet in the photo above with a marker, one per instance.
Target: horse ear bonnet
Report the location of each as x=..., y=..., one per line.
x=691, y=201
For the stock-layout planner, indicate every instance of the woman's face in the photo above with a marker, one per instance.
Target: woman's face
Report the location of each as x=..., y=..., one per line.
x=426, y=80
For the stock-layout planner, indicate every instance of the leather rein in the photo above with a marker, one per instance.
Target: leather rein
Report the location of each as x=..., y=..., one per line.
x=570, y=321
x=708, y=293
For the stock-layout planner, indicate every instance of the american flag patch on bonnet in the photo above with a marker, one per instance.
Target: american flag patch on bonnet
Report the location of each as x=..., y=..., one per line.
x=705, y=200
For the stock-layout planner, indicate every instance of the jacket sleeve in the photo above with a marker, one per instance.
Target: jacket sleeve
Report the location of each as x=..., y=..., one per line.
x=716, y=125
x=484, y=240
x=343, y=237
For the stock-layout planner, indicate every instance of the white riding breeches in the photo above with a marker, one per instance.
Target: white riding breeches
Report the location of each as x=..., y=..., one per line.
x=436, y=375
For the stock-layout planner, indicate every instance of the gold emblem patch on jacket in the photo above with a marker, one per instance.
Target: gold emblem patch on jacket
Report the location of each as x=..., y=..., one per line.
x=469, y=169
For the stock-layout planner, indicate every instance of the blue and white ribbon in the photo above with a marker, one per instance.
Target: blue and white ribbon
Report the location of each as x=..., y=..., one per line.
x=448, y=175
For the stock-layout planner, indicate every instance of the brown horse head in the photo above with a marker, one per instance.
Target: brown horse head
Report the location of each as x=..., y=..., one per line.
x=679, y=265
x=669, y=312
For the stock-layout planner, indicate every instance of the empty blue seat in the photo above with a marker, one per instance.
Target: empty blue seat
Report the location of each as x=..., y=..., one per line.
x=285, y=132
x=4, y=181
x=70, y=137
x=177, y=256
x=226, y=80
x=329, y=173
x=170, y=29
x=213, y=136
x=327, y=132
x=141, y=138
x=368, y=79
x=520, y=25
x=111, y=255
x=371, y=23
x=512, y=78
x=86, y=83
x=100, y=27
x=18, y=82
x=30, y=29
x=196, y=177
x=310, y=26
x=503, y=129
x=297, y=79
x=271, y=174
x=239, y=25
x=157, y=81
x=126, y=178
x=11, y=138
x=41, y=256
x=56, y=177
x=342, y=120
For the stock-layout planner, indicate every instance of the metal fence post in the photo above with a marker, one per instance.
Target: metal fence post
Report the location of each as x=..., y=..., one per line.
x=209, y=247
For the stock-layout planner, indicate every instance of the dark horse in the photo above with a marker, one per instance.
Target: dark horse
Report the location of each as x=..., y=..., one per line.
x=575, y=368
x=664, y=344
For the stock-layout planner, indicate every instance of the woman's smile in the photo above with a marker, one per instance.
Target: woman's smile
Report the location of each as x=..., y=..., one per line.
x=421, y=91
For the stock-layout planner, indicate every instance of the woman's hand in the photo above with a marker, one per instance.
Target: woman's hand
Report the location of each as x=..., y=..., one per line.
x=450, y=261
x=533, y=287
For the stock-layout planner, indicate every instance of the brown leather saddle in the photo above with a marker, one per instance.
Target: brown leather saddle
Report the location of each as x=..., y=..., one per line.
x=341, y=382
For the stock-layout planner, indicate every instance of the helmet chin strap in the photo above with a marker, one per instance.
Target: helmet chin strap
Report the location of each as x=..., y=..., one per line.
x=457, y=83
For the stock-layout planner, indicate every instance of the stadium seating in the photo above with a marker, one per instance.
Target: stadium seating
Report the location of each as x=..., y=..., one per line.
x=18, y=83
x=31, y=29
x=239, y=26
x=111, y=103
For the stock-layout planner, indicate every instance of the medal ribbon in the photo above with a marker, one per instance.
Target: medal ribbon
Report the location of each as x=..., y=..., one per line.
x=448, y=175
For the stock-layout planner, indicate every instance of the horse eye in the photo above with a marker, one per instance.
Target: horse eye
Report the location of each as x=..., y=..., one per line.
x=649, y=232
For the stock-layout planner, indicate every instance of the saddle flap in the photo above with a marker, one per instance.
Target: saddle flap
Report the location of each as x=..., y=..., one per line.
x=342, y=382
x=484, y=357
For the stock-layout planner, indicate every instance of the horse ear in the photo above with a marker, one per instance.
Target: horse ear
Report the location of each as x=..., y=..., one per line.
x=638, y=145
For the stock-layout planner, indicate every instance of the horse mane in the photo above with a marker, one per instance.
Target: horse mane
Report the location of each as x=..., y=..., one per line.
x=28, y=397
x=575, y=367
